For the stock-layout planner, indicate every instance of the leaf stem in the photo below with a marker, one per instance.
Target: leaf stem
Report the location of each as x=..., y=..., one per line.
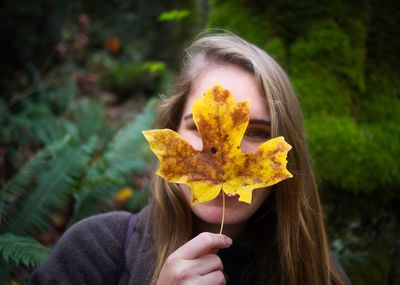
x=223, y=212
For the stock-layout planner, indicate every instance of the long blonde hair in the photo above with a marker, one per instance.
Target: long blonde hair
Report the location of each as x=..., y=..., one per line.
x=301, y=254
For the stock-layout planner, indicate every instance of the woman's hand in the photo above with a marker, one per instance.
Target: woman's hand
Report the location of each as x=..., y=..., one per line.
x=196, y=262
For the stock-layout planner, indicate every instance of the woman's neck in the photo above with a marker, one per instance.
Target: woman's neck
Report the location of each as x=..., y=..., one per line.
x=232, y=231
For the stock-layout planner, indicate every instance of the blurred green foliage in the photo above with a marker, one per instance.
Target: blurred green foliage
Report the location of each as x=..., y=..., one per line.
x=79, y=80
x=134, y=77
x=79, y=171
x=173, y=15
x=76, y=76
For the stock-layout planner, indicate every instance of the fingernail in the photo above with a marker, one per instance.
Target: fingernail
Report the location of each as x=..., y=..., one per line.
x=228, y=241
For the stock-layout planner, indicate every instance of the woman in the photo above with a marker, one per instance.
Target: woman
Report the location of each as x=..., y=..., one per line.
x=277, y=239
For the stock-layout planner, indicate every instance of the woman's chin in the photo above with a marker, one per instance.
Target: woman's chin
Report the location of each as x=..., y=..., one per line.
x=211, y=212
x=236, y=212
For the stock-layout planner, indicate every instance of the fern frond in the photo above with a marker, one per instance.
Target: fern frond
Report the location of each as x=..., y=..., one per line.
x=124, y=155
x=50, y=130
x=22, y=250
x=42, y=120
x=53, y=190
x=127, y=152
x=28, y=122
x=89, y=118
x=18, y=185
x=61, y=97
x=92, y=200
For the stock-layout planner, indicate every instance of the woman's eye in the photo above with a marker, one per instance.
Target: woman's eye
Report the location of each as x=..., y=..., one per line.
x=192, y=127
x=259, y=134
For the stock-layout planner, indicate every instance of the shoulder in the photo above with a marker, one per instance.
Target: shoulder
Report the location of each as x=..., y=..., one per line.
x=89, y=250
x=101, y=232
x=107, y=224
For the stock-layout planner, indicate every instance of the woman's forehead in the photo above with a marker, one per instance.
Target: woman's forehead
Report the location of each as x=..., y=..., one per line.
x=241, y=83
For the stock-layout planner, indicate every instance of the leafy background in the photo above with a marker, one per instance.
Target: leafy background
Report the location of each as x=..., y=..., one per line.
x=78, y=82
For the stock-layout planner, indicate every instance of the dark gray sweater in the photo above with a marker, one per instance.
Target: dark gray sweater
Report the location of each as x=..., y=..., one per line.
x=91, y=250
x=90, y=253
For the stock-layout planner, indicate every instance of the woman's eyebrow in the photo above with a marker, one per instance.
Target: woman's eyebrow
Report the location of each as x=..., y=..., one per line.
x=260, y=122
x=188, y=116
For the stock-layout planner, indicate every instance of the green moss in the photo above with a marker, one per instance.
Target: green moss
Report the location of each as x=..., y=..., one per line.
x=327, y=49
x=320, y=92
x=358, y=158
x=238, y=17
x=276, y=48
x=380, y=102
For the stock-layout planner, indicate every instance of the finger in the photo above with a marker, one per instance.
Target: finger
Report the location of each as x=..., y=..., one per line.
x=203, y=244
x=206, y=264
x=212, y=278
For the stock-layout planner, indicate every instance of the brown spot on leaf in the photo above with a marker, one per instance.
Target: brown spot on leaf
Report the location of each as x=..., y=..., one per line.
x=239, y=116
x=220, y=95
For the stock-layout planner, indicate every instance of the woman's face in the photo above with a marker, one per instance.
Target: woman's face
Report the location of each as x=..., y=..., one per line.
x=243, y=86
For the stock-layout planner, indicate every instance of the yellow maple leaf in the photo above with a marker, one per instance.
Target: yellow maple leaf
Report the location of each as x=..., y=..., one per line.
x=221, y=164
